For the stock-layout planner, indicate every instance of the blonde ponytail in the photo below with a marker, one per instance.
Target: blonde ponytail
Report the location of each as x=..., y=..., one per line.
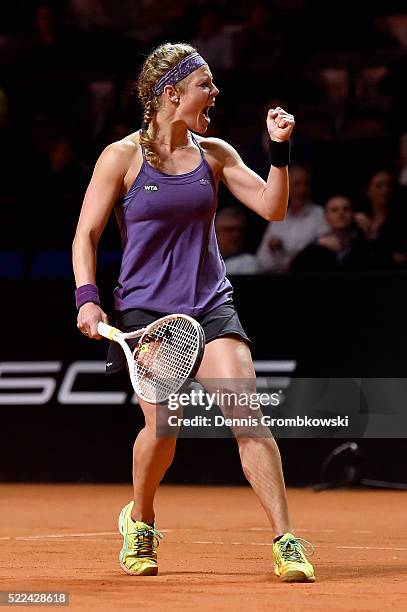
x=160, y=61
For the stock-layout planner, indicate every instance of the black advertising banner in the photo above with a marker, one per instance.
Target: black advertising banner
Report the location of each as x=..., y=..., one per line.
x=330, y=355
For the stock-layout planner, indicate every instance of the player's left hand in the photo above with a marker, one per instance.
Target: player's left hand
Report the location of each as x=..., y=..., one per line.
x=279, y=124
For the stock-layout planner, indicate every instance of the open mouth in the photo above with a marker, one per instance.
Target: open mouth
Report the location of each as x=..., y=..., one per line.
x=205, y=113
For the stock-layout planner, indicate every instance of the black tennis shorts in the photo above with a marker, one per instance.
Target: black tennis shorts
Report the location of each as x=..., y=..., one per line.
x=221, y=321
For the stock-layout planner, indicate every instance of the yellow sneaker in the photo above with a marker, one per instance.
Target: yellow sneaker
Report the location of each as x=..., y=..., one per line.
x=289, y=559
x=138, y=556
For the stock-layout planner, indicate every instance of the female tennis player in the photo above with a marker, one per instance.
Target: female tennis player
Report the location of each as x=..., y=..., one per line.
x=162, y=183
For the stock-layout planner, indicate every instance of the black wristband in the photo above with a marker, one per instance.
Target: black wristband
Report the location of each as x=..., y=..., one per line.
x=279, y=153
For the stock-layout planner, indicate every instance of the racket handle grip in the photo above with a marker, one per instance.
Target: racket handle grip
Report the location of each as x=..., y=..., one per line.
x=107, y=331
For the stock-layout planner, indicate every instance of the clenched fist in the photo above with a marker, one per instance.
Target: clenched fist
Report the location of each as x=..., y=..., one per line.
x=279, y=124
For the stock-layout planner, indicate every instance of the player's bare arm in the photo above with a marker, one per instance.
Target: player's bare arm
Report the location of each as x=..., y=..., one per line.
x=268, y=199
x=104, y=188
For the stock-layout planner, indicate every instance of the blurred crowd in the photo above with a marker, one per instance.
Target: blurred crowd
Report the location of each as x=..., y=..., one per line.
x=66, y=90
x=343, y=234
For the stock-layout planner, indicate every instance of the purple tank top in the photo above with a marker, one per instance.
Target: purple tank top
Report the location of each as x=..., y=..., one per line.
x=171, y=261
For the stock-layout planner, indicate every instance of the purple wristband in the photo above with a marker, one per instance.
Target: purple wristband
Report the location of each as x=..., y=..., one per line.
x=86, y=293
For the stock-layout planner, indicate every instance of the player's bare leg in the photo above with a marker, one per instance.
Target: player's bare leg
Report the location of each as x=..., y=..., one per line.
x=230, y=358
x=152, y=456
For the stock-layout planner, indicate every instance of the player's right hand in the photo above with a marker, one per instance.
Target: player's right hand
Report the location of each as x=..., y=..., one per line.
x=89, y=316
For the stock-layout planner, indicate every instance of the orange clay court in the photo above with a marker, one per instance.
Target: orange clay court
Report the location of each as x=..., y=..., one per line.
x=216, y=553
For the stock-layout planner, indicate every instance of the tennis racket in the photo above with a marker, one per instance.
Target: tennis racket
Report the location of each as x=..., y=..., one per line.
x=169, y=352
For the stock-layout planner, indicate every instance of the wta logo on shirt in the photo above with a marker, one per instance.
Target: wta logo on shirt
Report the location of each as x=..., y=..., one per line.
x=151, y=187
x=204, y=181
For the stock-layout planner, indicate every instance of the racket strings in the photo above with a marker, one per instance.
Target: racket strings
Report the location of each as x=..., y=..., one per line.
x=166, y=360
x=164, y=344
x=176, y=352
x=166, y=356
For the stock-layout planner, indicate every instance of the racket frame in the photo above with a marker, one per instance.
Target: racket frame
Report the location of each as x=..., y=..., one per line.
x=112, y=333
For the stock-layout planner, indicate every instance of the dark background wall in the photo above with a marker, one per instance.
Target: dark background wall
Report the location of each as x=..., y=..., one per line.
x=315, y=321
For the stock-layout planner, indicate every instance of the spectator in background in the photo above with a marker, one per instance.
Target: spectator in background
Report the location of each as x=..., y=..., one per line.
x=376, y=207
x=212, y=43
x=343, y=247
x=49, y=56
x=63, y=173
x=402, y=161
x=260, y=44
x=382, y=218
x=89, y=14
x=304, y=223
x=47, y=44
x=230, y=226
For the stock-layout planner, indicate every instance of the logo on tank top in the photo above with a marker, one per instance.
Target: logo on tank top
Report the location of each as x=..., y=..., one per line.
x=151, y=187
x=204, y=181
